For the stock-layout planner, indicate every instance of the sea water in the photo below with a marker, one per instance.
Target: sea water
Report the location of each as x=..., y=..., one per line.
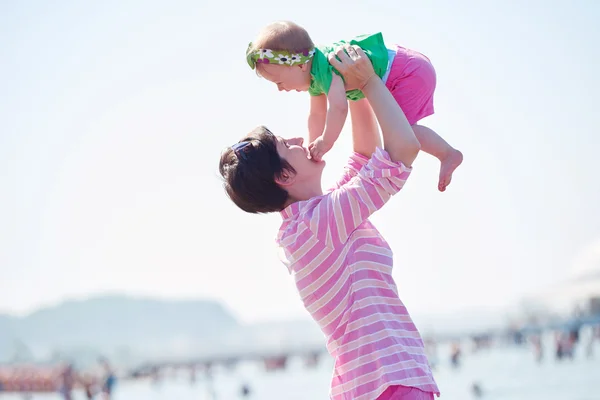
x=502, y=373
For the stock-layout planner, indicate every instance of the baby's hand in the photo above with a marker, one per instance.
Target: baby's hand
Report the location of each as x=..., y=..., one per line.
x=319, y=147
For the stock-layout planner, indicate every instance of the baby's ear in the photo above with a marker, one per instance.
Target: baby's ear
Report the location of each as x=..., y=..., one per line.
x=304, y=67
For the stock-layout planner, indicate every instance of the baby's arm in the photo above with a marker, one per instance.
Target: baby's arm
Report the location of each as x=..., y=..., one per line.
x=317, y=117
x=336, y=117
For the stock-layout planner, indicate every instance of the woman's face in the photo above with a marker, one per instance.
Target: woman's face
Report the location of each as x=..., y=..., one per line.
x=293, y=151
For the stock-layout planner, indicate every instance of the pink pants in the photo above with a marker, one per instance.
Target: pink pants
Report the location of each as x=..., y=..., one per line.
x=405, y=393
x=412, y=82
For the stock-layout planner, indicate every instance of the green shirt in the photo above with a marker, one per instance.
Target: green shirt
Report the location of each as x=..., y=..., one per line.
x=321, y=70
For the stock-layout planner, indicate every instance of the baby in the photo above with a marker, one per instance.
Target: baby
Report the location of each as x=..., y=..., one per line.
x=284, y=54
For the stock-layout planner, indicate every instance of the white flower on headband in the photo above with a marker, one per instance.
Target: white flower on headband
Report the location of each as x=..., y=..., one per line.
x=295, y=59
x=265, y=53
x=283, y=59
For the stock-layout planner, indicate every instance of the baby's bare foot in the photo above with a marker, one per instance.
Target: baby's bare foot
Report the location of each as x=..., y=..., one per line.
x=449, y=164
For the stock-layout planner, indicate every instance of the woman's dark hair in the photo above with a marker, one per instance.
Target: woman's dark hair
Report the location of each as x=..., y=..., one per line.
x=249, y=172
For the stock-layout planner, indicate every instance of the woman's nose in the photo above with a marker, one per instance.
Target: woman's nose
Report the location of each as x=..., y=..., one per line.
x=298, y=141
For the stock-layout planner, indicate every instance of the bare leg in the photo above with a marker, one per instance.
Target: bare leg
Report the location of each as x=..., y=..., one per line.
x=432, y=143
x=365, y=130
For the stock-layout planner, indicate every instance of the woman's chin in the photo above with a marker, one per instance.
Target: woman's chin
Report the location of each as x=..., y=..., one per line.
x=320, y=163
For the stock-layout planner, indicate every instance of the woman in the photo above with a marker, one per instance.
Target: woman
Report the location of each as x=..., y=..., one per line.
x=340, y=262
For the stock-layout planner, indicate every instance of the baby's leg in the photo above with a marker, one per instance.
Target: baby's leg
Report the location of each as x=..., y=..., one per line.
x=412, y=82
x=432, y=143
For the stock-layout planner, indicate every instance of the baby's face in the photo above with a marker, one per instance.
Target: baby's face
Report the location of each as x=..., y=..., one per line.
x=287, y=77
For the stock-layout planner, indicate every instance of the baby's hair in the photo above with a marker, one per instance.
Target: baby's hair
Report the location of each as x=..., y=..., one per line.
x=282, y=35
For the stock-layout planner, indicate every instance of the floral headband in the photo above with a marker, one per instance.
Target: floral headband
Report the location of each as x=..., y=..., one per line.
x=281, y=57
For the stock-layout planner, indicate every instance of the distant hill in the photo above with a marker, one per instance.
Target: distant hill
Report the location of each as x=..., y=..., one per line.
x=107, y=323
x=130, y=330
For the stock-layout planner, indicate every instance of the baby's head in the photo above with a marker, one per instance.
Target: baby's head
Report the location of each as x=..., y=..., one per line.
x=282, y=53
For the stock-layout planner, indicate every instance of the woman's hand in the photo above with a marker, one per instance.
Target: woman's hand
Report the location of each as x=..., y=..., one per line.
x=354, y=65
x=399, y=140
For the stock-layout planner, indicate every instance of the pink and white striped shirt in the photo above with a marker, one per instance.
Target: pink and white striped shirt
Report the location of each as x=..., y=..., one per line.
x=342, y=268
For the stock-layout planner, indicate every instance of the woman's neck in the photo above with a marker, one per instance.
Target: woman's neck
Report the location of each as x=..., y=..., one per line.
x=304, y=193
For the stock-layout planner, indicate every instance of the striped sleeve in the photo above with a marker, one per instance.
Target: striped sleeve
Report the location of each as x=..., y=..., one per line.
x=354, y=165
x=354, y=201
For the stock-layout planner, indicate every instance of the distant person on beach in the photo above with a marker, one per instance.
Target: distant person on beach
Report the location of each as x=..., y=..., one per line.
x=538, y=348
x=341, y=265
x=87, y=382
x=66, y=382
x=455, y=354
x=594, y=335
x=108, y=381
x=284, y=54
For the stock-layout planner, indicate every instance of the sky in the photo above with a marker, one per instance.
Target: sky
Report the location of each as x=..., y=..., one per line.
x=113, y=115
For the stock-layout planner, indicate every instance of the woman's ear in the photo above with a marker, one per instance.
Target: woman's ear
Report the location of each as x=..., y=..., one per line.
x=286, y=178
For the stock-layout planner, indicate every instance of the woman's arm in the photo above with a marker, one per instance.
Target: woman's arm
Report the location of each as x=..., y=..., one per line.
x=365, y=131
x=365, y=139
x=385, y=173
x=398, y=137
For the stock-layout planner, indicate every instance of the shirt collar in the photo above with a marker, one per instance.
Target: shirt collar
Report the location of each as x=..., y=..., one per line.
x=290, y=210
